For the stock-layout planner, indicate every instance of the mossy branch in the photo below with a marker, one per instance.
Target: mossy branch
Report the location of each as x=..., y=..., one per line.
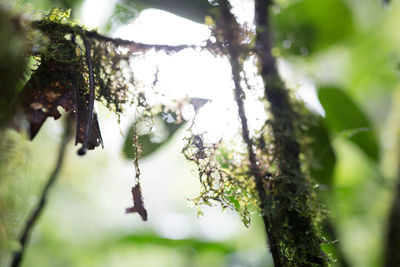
x=132, y=45
x=291, y=207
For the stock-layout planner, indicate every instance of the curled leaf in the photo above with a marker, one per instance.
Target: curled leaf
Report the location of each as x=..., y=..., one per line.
x=55, y=85
x=45, y=92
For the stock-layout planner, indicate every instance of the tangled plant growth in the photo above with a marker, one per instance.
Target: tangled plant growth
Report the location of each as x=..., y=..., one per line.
x=223, y=177
x=76, y=66
x=70, y=77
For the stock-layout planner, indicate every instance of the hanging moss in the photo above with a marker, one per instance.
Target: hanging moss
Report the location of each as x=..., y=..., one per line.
x=224, y=178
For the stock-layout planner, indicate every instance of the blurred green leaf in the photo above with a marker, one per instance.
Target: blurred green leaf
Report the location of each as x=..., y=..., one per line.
x=13, y=64
x=122, y=14
x=194, y=10
x=160, y=135
x=365, y=78
x=199, y=246
x=323, y=157
x=311, y=25
x=344, y=116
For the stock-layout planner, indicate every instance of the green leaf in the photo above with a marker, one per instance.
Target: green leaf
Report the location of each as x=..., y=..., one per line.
x=323, y=156
x=124, y=13
x=311, y=25
x=151, y=142
x=345, y=117
x=194, y=10
x=197, y=245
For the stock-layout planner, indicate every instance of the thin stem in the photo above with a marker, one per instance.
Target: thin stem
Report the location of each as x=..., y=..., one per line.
x=234, y=51
x=18, y=256
x=89, y=121
x=255, y=169
x=138, y=46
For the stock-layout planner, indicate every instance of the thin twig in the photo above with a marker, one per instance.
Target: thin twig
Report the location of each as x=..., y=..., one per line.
x=18, y=256
x=255, y=169
x=138, y=204
x=234, y=54
x=138, y=46
x=89, y=122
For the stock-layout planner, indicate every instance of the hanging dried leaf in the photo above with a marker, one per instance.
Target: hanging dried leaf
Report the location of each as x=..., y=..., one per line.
x=53, y=85
x=44, y=93
x=138, y=205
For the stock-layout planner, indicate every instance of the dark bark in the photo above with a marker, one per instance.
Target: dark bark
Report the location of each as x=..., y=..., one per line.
x=23, y=240
x=392, y=251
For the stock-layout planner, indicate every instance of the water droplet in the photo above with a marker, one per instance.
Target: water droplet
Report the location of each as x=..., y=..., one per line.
x=200, y=214
x=304, y=51
x=287, y=44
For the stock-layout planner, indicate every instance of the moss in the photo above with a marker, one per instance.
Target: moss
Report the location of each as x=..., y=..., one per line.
x=65, y=44
x=224, y=178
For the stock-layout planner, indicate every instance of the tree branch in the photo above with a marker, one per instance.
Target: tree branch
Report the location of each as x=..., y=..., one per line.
x=138, y=46
x=18, y=256
x=132, y=45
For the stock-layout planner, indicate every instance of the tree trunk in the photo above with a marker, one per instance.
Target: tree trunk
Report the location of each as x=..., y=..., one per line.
x=290, y=205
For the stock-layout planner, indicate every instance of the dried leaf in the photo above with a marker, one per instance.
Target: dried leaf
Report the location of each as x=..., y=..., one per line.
x=43, y=94
x=198, y=103
x=138, y=205
x=53, y=85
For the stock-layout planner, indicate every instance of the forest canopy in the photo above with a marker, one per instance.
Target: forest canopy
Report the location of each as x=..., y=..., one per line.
x=291, y=123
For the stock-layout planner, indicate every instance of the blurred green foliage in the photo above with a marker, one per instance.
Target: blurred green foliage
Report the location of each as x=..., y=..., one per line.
x=321, y=157
x=344, y=116
x=150, y=142
x=13, y=61
x=309, y=26
x=195, y=10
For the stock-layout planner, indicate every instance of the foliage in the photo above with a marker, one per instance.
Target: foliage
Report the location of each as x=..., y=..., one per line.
x=13, y=63
x=195, y=10
x=345, y=117
x=306, y=26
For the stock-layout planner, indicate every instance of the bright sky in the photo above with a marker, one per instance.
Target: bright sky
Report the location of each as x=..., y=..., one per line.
x=192, y=73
